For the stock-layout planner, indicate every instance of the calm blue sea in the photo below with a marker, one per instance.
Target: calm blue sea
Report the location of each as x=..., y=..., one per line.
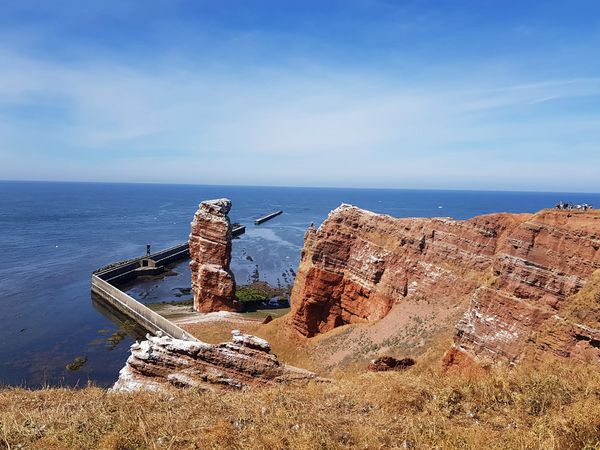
x=53, y=235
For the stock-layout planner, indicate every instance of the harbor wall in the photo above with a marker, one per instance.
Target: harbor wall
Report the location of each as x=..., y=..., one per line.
x=144, y=316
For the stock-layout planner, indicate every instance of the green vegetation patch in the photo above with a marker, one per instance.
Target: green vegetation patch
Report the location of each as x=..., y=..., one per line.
x=260, y=291
x=116, y=338
x=111, y=339
x=250, y=294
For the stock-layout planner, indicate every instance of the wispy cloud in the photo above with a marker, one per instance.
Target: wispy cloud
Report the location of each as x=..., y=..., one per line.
x=305, y=121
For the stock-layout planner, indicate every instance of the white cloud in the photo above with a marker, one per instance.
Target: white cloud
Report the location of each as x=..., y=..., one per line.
x=296, y=125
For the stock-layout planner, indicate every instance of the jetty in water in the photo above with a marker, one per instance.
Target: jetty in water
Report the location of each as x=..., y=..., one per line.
x=267, y=217
x=150, y=264
x=237, y=229
x=105, y=282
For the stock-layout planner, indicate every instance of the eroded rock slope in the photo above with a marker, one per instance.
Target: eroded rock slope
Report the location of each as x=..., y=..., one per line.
x=531, y=302
x=358, y=264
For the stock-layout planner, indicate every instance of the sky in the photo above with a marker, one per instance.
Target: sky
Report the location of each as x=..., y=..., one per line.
x=494, y=95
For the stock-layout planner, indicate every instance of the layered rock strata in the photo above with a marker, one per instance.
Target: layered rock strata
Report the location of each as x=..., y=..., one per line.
x=358, y=264
x=512, y=272
x=244, y=362
x=533, y=302
x=213, y=283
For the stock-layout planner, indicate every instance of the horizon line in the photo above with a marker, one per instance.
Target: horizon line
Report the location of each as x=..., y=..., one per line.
x=295, y=186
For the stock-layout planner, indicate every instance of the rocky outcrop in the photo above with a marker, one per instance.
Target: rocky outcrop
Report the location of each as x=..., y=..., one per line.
x=245, y=362
x=514, y=274
x=213, y=283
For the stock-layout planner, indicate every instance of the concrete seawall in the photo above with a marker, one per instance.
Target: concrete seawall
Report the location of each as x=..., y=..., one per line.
x=142, y=315
x=106, y=279
x=267, y=217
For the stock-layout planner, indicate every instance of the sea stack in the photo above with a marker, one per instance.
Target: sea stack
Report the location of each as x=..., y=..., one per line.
x=213, y=283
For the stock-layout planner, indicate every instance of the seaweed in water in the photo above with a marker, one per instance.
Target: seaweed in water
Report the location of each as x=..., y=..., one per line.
x=115, y=339
x=77, y=363
x=254, y=276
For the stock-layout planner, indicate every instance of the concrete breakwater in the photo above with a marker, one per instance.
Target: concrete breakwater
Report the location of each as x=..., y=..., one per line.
x=238, y=230
x=105, y=283
x=151, y=264
x=141, y=314
x=267, y=217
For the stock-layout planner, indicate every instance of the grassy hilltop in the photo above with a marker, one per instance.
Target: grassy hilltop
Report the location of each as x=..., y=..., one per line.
x=548, y=407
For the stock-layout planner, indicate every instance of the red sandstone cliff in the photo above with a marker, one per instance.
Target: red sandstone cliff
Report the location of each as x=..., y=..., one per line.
x=512, y=273
x=358, y=264
x=534, y=301
x=213, y=284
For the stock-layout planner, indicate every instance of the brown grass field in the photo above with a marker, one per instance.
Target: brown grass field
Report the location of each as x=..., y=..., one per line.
x=549, y=406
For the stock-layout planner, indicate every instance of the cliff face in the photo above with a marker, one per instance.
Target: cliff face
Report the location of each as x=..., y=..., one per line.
x=213, y=284
x=512, y=273
x=245, y=362
x=358, y=264
x=531, y=304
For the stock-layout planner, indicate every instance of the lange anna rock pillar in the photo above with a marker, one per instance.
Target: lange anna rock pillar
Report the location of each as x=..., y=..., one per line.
x=213, y=283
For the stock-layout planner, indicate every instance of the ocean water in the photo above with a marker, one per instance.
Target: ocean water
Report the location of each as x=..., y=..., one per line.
x=53, y=235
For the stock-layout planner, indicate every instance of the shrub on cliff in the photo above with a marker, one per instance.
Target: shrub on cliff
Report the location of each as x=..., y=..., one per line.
x=249, y=294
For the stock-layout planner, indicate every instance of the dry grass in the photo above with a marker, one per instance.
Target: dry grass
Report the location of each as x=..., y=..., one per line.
x=287, y=345
x=549, y=407
x=220, y=331
x=584, y=307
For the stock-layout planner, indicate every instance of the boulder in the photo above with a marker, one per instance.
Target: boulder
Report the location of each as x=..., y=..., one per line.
x=386, y=363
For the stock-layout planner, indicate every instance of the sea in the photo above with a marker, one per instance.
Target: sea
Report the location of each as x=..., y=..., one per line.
x=53, y=235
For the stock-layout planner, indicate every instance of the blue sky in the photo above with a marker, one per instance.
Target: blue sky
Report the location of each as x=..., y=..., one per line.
x=370, y=93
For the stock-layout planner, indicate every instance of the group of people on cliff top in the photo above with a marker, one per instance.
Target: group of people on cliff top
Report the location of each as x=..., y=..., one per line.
x=570, y=206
